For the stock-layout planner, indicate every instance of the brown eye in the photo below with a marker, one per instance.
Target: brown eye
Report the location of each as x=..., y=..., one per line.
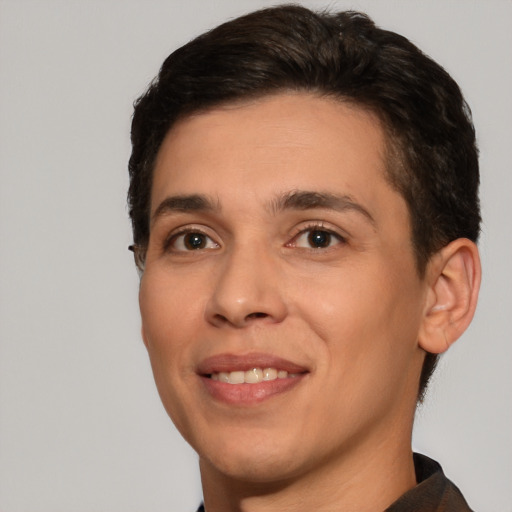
x=191, y=241
x=194, y=241
x=319, y=239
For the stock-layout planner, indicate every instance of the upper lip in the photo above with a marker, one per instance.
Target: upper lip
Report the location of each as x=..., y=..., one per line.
x=233, y=362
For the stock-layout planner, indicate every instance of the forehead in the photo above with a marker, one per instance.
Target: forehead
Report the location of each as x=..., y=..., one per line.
x=292, y=141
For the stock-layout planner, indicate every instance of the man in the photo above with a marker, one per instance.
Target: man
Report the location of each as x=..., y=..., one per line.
x=304, y=201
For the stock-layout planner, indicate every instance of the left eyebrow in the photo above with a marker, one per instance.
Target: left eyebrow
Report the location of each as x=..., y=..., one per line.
x=305, y=200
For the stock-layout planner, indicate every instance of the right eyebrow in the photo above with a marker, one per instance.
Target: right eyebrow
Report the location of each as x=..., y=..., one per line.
x=185, y=203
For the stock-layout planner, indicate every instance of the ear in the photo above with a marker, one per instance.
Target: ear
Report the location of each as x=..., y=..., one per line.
x=454, y=275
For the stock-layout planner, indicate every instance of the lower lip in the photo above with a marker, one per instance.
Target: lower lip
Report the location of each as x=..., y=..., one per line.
x=249, y=394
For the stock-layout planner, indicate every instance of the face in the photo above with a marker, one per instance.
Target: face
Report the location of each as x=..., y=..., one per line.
x=280, y=299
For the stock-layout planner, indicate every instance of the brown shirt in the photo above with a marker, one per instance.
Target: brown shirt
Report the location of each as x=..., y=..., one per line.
x=433, y=493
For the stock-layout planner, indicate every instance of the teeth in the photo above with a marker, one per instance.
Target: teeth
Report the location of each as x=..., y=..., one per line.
x=269, y=374
x=253, y=376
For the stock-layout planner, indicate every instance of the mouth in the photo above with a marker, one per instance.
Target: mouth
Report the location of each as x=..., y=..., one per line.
x=249, y=379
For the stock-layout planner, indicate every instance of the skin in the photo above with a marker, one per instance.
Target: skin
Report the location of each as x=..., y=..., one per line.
x=350, y=313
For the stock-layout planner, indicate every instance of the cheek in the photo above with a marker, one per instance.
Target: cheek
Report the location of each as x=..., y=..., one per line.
x=169, y=311
x=366, y=329
x=368, y=316
x=169, y=319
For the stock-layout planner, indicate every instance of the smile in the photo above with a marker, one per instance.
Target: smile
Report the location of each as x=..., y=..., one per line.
x=245, y=380
x=253, y=376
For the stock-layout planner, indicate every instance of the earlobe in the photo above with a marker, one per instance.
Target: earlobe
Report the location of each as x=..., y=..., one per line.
x=454, y=274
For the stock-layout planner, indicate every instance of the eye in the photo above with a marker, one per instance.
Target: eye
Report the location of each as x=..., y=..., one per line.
x=316, y=238
x=190, y=241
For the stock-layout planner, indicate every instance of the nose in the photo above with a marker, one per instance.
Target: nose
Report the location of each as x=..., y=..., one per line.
x=246, y=290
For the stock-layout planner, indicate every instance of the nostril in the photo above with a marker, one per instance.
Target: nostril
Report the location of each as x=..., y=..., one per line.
x=257, y=315
x=221, y=319
x=237, y=317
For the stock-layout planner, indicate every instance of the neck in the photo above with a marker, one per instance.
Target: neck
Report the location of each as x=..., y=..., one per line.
x=365, y=478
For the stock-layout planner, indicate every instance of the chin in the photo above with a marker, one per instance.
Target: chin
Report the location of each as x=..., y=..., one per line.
x=258, y=469
x=249, y=459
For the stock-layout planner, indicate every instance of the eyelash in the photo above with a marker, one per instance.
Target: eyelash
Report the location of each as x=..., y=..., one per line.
x=304, y=230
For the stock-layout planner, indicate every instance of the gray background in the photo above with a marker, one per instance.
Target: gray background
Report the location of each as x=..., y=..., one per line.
x=81, y=426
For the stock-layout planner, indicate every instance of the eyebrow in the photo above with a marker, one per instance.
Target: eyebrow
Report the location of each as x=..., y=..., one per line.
x=306, y=200
x=294, y=200
x=188, y=203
